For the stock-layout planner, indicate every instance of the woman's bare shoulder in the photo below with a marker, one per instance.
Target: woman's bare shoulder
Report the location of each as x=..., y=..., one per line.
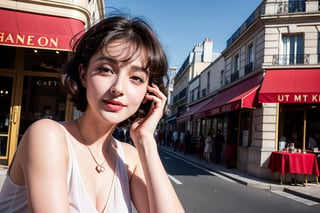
x=128, y=149
x=131, y=155
x=44, y=133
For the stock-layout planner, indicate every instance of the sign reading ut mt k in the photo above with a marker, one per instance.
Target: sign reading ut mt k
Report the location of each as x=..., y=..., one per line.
x=299, y=98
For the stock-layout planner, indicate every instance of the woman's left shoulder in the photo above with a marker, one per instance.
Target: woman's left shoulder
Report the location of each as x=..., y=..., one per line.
x=128, y=149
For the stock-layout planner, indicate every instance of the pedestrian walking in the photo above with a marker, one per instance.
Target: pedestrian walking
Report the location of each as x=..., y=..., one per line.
x=208, y=147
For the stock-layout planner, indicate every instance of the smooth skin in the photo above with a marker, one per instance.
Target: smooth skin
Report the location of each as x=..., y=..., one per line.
x=115, y=91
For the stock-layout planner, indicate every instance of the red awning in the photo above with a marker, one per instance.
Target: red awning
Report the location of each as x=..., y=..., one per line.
x=242, y=95
x=187, y=116
x=38, y=31
x=291, y=86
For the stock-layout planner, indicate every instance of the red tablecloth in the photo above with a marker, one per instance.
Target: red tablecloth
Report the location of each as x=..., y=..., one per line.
x=299, y=163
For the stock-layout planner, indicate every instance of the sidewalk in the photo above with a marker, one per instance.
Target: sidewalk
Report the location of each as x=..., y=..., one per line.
x=310, y=192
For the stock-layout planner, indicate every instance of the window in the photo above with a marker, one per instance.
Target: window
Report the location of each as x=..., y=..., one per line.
x=221, y=77
x=44, y=60
x=8, y=57
x=319, y=45
x=236, y=64
x=293, y=50
x=250, y=53
x=236, y=68
x=297, y=6
x=249, y=66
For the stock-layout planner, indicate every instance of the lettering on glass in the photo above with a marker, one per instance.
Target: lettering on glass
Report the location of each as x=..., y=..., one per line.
x=43, y=83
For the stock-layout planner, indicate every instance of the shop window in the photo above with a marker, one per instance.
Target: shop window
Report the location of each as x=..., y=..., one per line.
x=44, y=60
x=5, y=104
x=245, y=126
x=8, y=57
x=42, y=98
x=291, y=123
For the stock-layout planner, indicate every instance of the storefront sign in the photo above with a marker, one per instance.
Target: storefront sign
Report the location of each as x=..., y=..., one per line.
x=29, y=40
x=49, y=83
x=38, y=30
x=298, y=98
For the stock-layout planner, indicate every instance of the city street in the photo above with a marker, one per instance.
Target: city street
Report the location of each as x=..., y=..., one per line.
x=202, y=190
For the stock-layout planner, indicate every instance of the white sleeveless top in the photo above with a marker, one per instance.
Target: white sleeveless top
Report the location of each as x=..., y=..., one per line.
x=13, y=197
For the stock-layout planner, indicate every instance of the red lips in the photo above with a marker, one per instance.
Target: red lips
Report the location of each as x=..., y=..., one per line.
x=114, y=105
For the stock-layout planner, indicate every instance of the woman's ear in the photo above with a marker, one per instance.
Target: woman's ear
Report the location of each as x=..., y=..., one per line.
x=82, y=76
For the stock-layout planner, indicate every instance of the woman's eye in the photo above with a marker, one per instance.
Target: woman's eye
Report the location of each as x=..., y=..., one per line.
x=137, y=79
x=105, y=70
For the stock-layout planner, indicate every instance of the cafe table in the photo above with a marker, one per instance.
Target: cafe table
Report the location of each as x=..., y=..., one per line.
x=294, y=163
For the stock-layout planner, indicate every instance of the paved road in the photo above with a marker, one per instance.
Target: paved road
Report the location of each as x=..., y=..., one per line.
x=201, y=191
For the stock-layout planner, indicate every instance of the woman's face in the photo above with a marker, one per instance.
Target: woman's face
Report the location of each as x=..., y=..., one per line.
x=115, y=89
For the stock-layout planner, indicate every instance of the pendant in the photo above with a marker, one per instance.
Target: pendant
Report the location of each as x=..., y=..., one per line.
x=100, y=168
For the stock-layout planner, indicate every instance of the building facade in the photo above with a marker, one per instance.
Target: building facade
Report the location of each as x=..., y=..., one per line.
x=35, y=42
x=264, y=86
x=198, y=59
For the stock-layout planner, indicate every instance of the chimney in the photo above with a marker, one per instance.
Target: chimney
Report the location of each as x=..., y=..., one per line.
x=207, y=50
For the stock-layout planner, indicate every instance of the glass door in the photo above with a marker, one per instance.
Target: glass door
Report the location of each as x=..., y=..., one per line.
x=6, y=96
x=41, y=98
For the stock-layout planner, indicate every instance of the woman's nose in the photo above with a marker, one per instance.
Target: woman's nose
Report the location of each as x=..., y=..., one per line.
x=117, y=87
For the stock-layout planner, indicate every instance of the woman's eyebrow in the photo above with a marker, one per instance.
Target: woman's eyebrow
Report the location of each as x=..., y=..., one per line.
x=138, y=68
x=112, y=60
x=106, y=58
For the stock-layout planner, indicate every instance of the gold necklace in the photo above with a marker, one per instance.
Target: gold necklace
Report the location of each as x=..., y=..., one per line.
x=99, y=168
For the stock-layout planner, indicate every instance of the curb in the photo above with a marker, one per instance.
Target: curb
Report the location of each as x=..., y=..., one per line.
x=302, y=195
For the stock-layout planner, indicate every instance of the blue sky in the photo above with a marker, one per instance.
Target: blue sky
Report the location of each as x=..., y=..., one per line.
x=181, y=24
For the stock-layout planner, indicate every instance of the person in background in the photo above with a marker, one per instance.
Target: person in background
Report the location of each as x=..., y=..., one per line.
x=181, y=140
x=116, y=78
x=187, y=142
x=160, y=137
x=175, y=139
x=208, y=147
x=313, y=141
x=218, y=141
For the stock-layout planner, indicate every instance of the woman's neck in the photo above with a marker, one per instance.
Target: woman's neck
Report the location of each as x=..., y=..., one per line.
x=94, y=131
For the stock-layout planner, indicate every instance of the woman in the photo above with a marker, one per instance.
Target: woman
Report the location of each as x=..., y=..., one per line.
x=115, y=78
x=208, y=147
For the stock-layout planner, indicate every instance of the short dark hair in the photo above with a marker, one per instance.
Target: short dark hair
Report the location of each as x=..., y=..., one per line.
x=138, y=33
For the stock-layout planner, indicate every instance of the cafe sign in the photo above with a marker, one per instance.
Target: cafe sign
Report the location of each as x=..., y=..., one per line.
x=35, y=30
x=289, y=97
x=298, y=98
x=29, y=40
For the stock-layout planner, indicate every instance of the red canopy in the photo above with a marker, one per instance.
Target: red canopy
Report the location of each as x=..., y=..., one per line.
x=242, y=95
x=35, y=30
x=291, y=86
x=187, y=116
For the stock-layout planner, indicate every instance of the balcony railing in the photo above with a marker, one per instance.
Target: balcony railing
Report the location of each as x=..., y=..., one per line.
x=234, y=76
x=181, y=95
x=273, y=8
x=291, y=7
x=294, y=59
x=248, y=68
